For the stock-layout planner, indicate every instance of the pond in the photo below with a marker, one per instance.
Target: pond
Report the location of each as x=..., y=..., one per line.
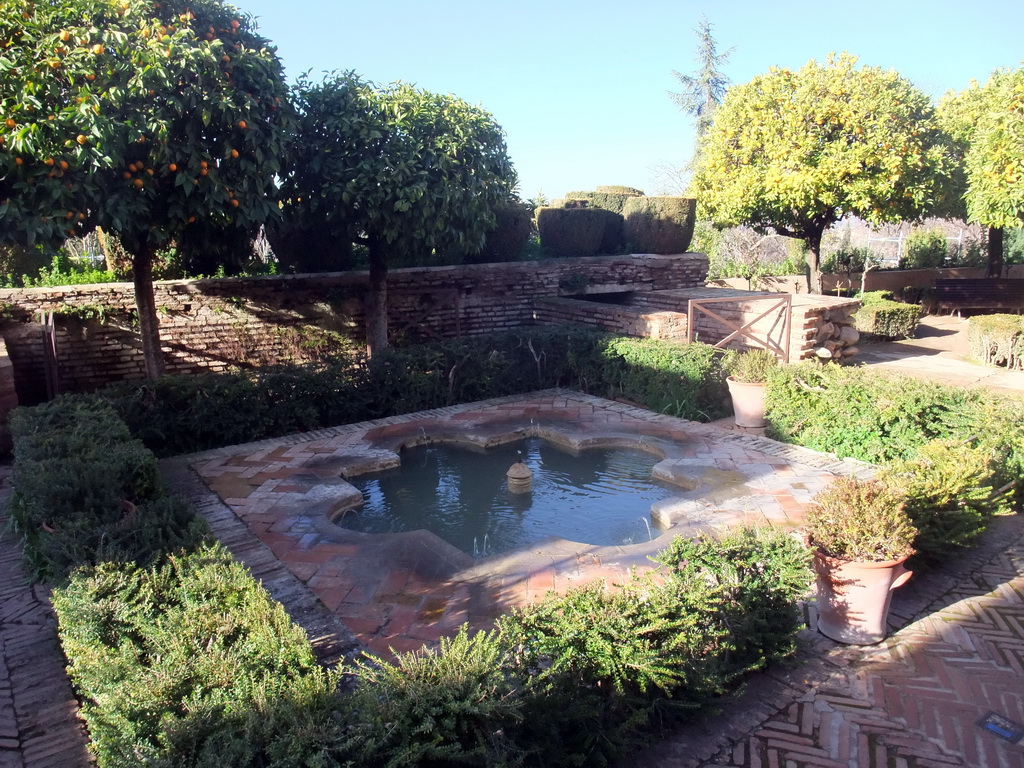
x=599, y=496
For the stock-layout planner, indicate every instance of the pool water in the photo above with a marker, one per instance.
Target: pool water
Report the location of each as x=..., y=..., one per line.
x=600, y=496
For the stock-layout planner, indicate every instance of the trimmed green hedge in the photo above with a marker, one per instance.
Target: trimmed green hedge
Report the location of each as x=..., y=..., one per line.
x=86, y=491
x=183, y=414
x=571, y=232
x=191, y=663
x=997, y=340
x=886, y=319
x=659, y=224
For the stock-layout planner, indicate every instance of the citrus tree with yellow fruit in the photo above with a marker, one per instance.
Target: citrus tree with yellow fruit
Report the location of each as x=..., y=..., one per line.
x=144, y=117
x=793, y=152
x=987, y=125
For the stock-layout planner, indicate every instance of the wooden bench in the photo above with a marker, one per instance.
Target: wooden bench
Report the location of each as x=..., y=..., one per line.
x=987, y=293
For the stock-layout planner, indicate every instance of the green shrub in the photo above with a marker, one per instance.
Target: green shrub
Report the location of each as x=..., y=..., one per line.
x=862, y=520
x=457, y=705
x=879, y=418
x=86, y=491
x=997, y=340
x=178, y=414
x=597, y=664
x=659, y=224
x=752, y=366
x=514, y=224
x=846, y=259
x=172, y=662
x=949, y=494
x=926, y=249
x=610, y=198
x=684, y=380
x=764, y=572
x=887, y=319
x=571, y=232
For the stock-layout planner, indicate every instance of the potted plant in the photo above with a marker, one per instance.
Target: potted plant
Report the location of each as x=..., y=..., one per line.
x=862, y=535
x=748, y=374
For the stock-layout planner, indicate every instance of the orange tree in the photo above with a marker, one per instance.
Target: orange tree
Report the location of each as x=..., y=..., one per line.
x=397, y=169
x=987, y=126
x=144, y=117
x=794, y=152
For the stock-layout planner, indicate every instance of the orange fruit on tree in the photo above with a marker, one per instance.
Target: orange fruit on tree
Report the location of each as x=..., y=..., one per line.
x=203, y=164
x=234, y=154
x=138, y=183
x=126, y=175
x=172, y=167
x=242, y=124
x=18, y=161
x=81, y=138
x=49, y=161
x=63, y=165
x=9, y=123
x=234, y=202
x=98, y=49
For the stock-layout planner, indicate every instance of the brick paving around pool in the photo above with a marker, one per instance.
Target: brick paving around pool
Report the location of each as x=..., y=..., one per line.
x=401, y=591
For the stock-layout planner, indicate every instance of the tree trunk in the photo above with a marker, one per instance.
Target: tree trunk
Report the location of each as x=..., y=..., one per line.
x=813, y=257
x=376, y=304
x=995, y=252
x=145, y=303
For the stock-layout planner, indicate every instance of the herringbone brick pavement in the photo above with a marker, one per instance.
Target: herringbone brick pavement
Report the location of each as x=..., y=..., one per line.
x=914, y=701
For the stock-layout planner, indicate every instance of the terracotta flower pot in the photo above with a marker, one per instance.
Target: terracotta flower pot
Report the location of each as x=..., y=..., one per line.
x=747, y=402
x=853, y=597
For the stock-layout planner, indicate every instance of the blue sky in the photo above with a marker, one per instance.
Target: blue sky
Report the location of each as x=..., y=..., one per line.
x=580, y=87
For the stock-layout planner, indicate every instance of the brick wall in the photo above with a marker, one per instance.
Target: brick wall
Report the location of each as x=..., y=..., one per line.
x=225, y=323
x=664, y=315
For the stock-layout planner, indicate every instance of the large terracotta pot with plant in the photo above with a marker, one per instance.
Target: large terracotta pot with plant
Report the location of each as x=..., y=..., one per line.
x=862, y=536
x=747, y=381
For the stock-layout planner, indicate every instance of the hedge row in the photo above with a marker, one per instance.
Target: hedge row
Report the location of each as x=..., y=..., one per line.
x=885, y=319
x=883, y=419
x=997, y=340
x=183, y=414
x=190, y=664
x=86, y=491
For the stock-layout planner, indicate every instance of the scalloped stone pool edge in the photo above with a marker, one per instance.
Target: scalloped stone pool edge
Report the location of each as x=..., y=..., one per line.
x=401, y=591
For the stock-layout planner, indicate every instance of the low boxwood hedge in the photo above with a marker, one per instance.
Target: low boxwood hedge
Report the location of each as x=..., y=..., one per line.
x=882, y=318
x=86, y=491
x=997, y=340
x=179, y=414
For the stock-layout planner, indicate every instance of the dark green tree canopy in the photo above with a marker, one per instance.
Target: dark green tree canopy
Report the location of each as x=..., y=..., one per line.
x=396, y=165
x=396, y=168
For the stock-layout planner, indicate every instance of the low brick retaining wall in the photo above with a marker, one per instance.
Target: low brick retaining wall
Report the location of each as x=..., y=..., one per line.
x=212, y=325
x=664, y=315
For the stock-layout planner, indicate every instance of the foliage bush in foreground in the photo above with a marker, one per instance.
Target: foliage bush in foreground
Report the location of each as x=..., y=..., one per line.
x=173, y=661
x=958, y=453
x=182, y=414
x=949, y=495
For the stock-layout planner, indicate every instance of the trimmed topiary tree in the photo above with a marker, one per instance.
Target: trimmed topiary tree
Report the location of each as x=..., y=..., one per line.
x=659, y=224
x=571, y=232
x=514, y=222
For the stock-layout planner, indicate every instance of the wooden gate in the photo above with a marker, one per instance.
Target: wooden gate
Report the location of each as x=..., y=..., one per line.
x=774, y=338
